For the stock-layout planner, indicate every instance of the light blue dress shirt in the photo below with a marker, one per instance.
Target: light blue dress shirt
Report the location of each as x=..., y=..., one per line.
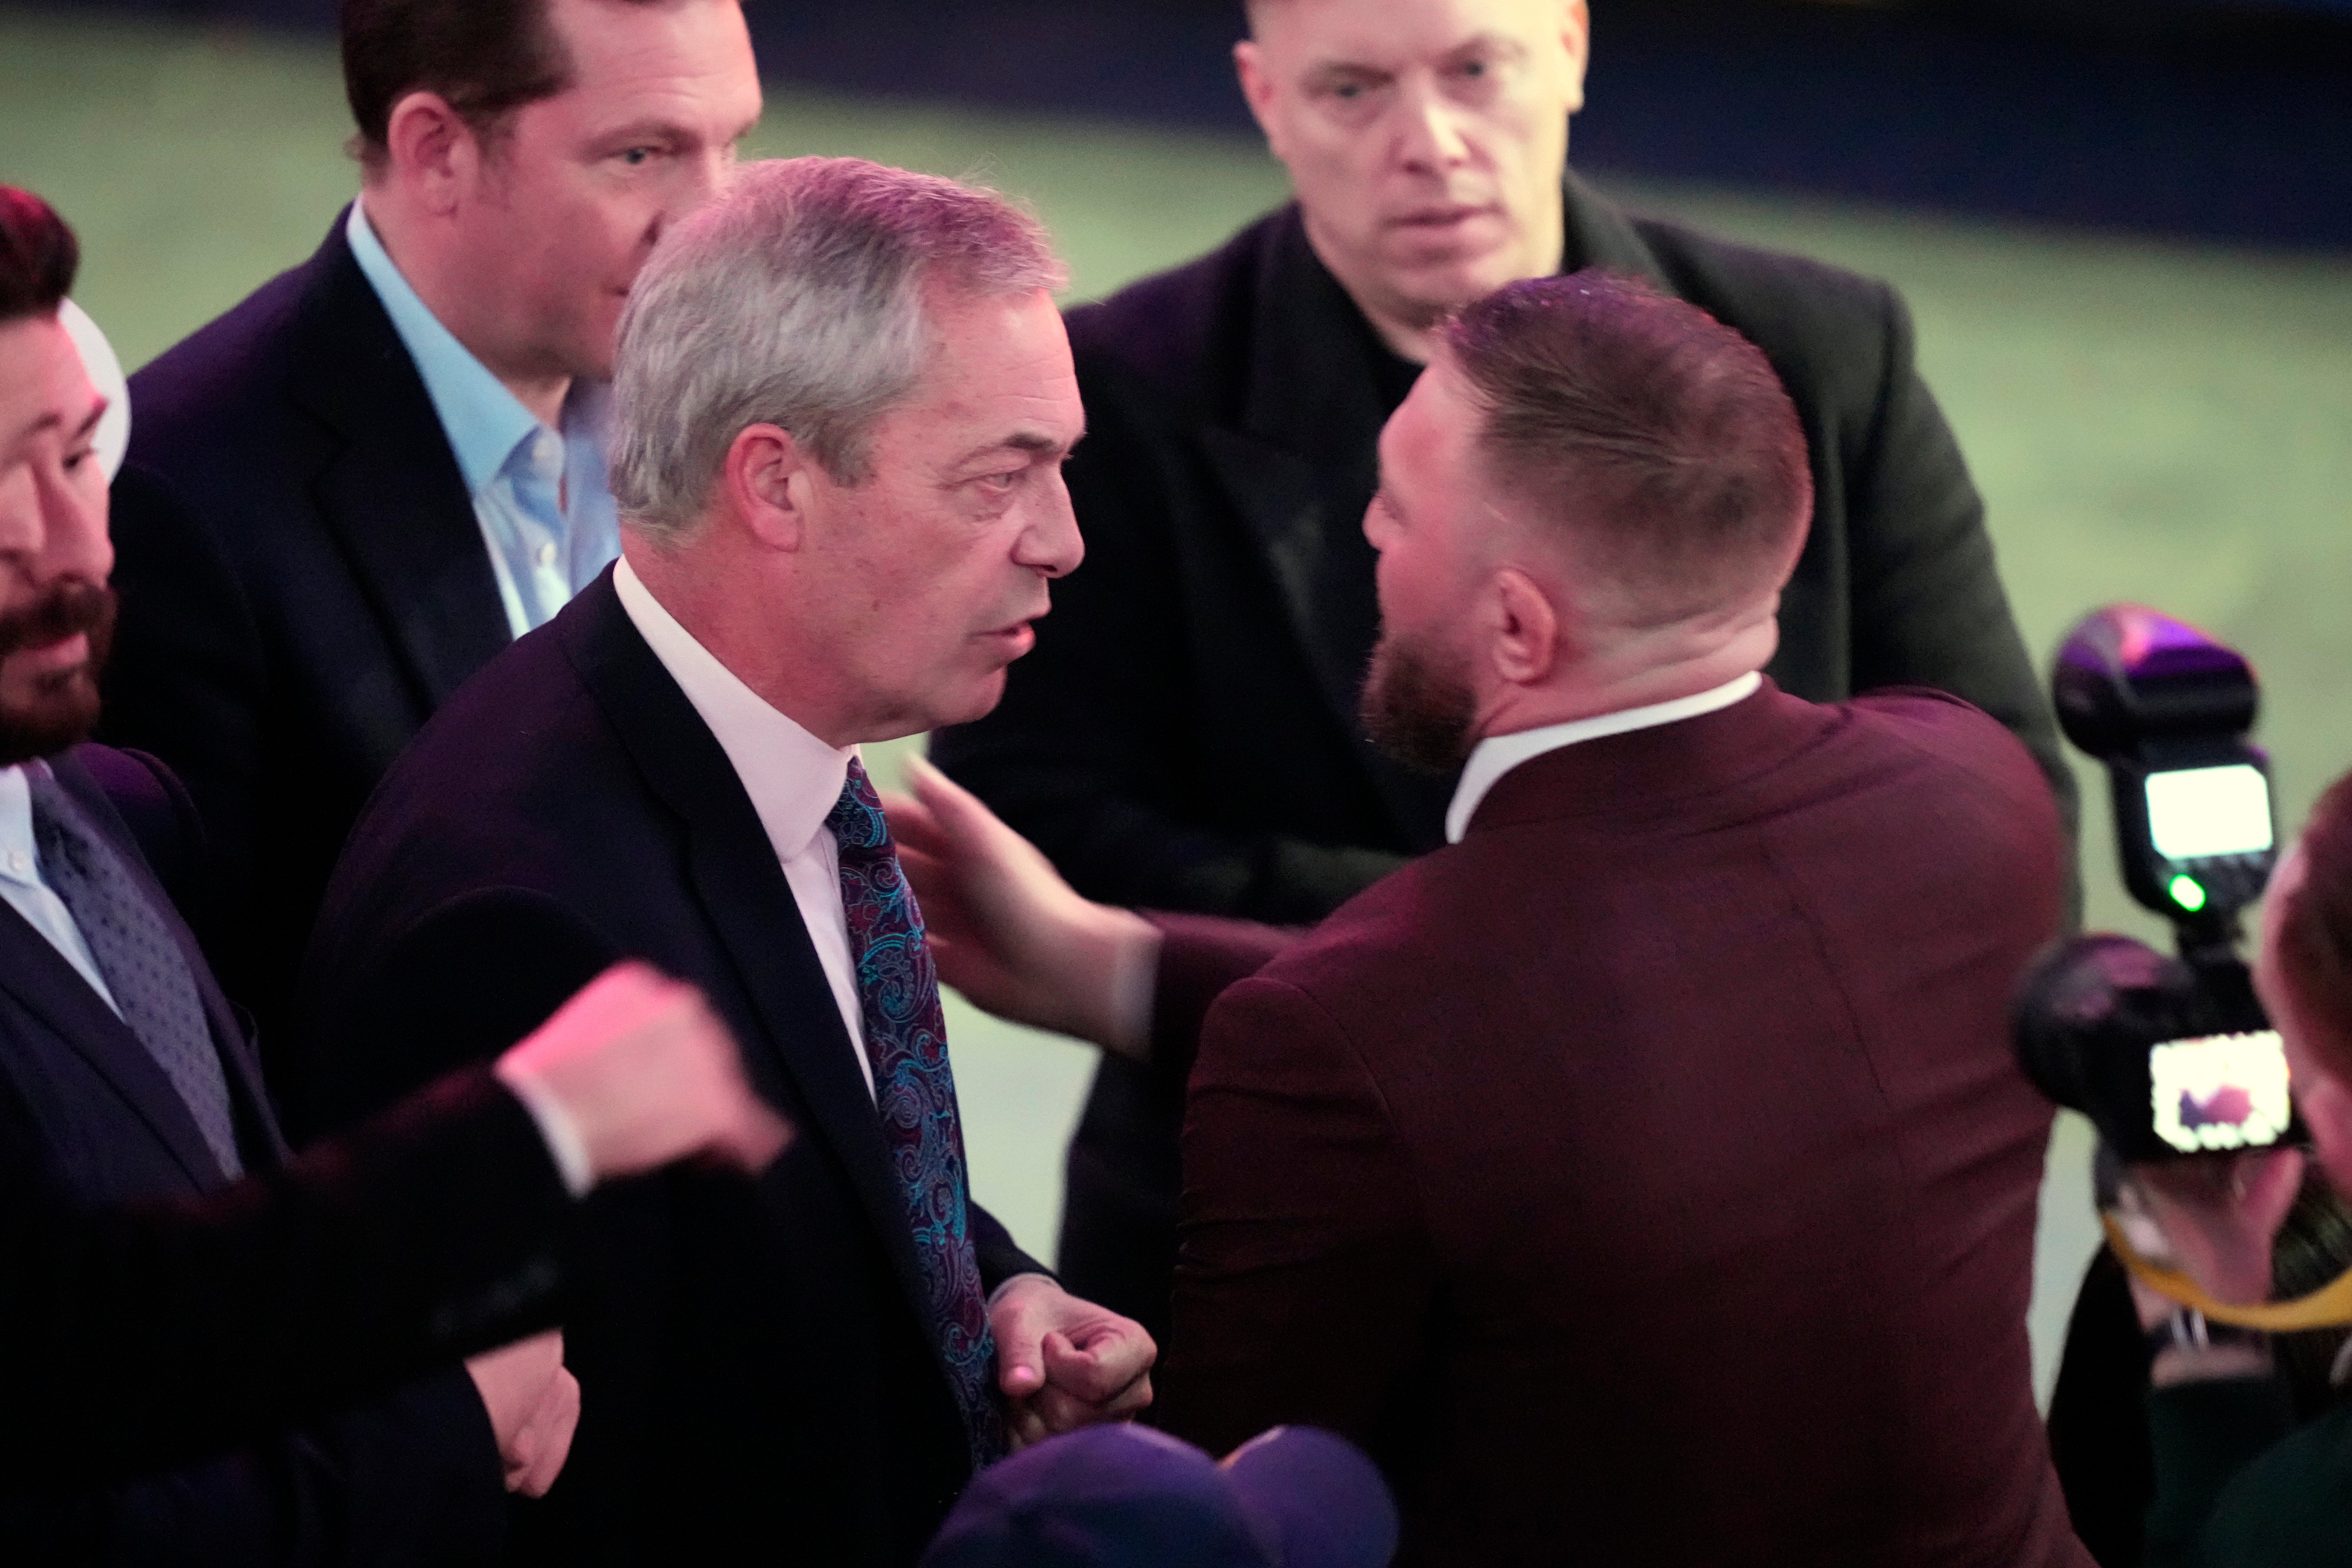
x=21, y=884
x=541, y=496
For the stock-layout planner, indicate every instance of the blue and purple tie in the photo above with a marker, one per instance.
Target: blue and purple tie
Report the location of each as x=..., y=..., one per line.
x=914, y=1090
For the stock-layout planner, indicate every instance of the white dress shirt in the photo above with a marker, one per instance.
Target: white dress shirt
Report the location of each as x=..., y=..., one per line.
x=794, y=780
x=21, y=884
x=1499, y=754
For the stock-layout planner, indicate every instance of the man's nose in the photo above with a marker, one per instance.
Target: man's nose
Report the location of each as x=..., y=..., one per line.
x=1429, y=135
x=73, y=542
x=702, y=176
x=1053, y=545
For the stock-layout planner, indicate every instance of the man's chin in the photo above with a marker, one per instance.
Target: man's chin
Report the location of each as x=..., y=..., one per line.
x=44, y=725
x=1435, y=288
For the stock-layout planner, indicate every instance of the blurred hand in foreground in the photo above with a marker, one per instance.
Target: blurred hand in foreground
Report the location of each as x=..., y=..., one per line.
x=647, y=1074
x=1009, y=933
x=2221, y=1217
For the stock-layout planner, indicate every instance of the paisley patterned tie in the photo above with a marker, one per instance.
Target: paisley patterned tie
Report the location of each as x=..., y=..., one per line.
x=907, y=1042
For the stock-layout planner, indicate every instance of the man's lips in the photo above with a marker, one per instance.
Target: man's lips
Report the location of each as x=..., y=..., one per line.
x=1017, y=636
x=65, y=653
x=1445, y=215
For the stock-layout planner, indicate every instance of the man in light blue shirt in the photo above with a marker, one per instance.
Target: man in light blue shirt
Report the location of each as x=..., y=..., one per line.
x=546, y=513
x=353, y=489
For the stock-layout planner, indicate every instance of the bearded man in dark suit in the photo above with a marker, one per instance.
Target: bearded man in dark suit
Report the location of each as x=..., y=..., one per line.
x=127, y=1079
x=843, y=395
x=1185, y=735
x=1643, y=1176
x=349, y=492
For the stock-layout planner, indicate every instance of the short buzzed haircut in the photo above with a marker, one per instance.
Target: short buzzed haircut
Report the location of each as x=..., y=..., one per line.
x=2314, y=928
x=485, y=58
x=797, y=300
x=1656, y=440
x=38, y=256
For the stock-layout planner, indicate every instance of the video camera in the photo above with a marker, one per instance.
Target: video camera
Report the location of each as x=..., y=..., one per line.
x=2169, y=1056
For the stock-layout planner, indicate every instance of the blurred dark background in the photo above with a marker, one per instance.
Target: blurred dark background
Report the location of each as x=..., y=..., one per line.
x=2217, y=119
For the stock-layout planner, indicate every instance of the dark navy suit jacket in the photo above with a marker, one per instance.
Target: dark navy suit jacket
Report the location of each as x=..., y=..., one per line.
x=87, y=1117
x=303, y=581
x=758, y=1379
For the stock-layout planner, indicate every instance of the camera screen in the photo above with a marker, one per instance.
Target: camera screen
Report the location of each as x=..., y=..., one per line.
x=2223, y=1091
x=2196, y=811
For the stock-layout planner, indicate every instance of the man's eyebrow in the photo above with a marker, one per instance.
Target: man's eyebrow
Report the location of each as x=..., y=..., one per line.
x=1031, y=441
x=642, y=131
x=53, y=420
x=1500, y=44
x=1322, y=73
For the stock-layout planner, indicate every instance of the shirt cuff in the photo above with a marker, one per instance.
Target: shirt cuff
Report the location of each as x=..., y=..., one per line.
x=1006, y=1284
x=556, y=1127
x=1134, y=992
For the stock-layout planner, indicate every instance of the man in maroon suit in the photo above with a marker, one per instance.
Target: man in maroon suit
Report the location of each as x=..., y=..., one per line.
x=1644, y=1176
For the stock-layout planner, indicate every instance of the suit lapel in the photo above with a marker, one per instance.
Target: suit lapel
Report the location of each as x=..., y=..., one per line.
x=38, y=976
x=259, y=1139
x=1598, y=234
x=393, y=496
x=1298, y=464
x=741, y=889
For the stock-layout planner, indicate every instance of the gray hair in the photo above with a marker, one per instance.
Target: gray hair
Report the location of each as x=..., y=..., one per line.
x=795, y=299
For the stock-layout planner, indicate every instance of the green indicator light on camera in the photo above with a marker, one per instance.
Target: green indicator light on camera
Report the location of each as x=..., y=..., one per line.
x=2188, y=894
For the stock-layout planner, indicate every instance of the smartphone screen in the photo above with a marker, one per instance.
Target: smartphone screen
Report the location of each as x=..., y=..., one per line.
x=2194, y=813
x=2222, y=1091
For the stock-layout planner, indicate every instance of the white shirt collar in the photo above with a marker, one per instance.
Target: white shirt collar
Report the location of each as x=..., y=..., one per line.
x=1499, y=754
x=19, y=860
x=793, y=778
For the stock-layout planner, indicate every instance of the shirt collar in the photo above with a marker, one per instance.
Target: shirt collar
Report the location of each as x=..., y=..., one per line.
x=1499, y=754
x=19, y=860
x=793, y=778
x=483, y=421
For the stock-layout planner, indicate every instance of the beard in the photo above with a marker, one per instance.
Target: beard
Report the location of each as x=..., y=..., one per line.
x=1416, y=709
x=60, y=708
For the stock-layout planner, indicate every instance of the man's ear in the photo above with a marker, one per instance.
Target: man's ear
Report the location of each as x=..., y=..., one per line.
x=1576, y=35
x=1258, y=90
x=1525, y=634
x=433, y=153
x=769, y=483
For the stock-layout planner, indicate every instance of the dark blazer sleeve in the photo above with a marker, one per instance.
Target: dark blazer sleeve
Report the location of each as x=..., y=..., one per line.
x=1928, y=607
x=1303, y=1267
x=1200, y=957
x=1088, y=756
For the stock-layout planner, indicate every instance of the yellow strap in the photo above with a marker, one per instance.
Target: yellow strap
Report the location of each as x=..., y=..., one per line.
x=2327, y=1306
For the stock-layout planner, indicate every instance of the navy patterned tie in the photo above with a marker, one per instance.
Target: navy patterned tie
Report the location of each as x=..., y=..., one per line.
x=907, y=1042
x=143, y=964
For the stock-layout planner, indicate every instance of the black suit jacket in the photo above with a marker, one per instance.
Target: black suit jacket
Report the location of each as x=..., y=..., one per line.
x=89, y=1120
x=1648, y=1177
x=1184, y=735
x=303, y=581
x=758, y=1378
x=160, y=1333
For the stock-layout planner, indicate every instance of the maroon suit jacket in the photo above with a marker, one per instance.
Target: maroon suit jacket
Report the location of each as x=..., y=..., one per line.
x=1647, y=1178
